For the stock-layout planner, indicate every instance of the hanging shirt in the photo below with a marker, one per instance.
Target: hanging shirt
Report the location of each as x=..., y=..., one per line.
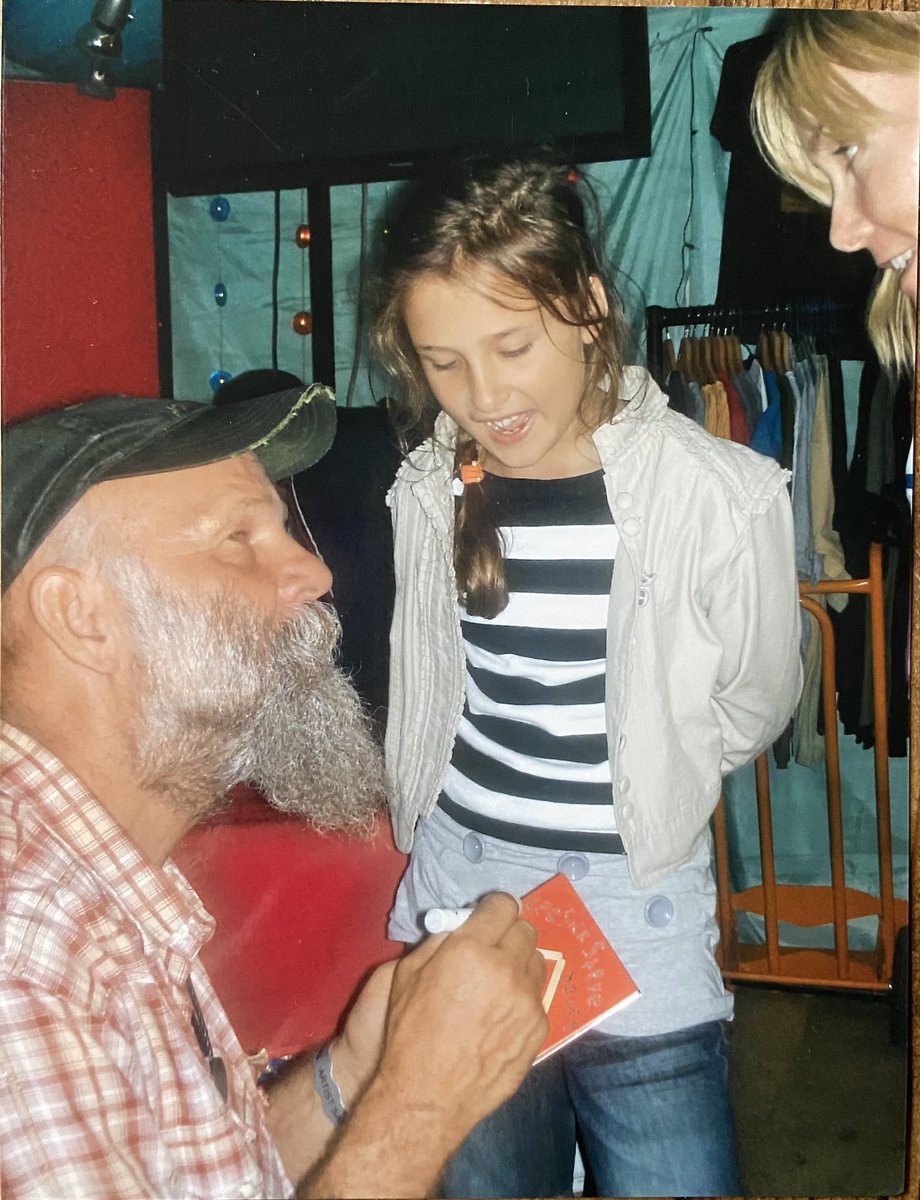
x=530, y=761
x=105, y=1090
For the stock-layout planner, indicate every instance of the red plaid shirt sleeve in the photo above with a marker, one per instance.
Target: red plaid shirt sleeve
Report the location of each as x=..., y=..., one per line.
x=104, y=1091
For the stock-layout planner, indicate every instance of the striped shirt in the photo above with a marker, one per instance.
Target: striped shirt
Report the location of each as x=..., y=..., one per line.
x=103, y=1088
x=530, y=763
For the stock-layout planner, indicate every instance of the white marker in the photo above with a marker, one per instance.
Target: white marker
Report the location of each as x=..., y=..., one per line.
x=443, y=920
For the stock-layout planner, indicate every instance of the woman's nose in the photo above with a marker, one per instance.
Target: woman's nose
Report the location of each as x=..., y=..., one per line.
x=850, y=229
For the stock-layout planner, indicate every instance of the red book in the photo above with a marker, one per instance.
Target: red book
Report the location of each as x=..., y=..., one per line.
x=585, y=980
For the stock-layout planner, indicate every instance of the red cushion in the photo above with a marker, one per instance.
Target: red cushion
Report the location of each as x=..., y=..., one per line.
x=301, y=917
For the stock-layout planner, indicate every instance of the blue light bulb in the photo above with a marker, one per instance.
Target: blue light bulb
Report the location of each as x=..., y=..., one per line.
x=219, y=208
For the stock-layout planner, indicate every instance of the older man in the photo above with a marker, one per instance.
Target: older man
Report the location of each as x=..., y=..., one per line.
x=162, y=641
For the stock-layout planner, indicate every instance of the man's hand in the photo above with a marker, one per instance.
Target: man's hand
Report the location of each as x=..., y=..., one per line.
x=465, y=1011
x=463, y=1024
x=357, y=1051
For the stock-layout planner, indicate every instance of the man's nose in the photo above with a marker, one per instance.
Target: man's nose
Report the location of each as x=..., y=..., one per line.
x=850, y=229
x=304, y=578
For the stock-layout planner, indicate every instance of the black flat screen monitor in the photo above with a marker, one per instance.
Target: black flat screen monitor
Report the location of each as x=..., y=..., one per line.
x=262, y=94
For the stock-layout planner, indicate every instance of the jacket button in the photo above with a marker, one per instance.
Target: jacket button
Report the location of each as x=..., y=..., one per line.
x=624, y=500
x=624, y=785
x=631, y=526
x=621, y=742
x=658, y=912
x=626, y=811
x=573, y=866
x=473, y=847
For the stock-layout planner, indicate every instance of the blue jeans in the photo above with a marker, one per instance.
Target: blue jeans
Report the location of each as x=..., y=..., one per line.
x=652, y=1115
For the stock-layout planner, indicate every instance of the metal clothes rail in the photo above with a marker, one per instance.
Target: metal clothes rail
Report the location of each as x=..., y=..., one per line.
x=810, y=906
x=839, y=327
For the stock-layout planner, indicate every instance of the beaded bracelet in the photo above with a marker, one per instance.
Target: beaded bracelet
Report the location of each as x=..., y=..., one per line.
x=327, y=1089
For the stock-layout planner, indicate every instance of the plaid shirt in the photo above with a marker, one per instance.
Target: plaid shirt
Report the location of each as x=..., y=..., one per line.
x=104, y=1092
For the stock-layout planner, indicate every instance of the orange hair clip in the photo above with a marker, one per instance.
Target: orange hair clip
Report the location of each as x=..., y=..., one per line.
x=472, y=472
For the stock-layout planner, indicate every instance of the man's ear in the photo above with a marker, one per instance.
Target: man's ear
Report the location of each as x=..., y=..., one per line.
x=589, y=332
x=76, y=612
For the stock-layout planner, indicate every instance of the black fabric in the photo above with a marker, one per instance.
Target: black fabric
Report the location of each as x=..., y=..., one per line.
x=787, y=409
x=575, y=500
x=573, y=577
x=524, y=739
x=343, y=498
x=499, y=777
x=872, y=507
x=516, y=689
x=556, y=645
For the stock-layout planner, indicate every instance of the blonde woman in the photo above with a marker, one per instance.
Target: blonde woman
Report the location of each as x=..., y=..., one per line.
x=836, y=112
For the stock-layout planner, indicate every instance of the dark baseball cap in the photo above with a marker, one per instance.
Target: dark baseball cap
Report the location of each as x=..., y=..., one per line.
x=51, y=460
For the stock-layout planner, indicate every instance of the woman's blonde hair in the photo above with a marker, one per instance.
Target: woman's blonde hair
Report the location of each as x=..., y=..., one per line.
x=799, y=95
x=523, y=223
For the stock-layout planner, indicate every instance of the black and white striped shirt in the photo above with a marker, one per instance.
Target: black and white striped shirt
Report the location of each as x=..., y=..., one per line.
x=530, y=763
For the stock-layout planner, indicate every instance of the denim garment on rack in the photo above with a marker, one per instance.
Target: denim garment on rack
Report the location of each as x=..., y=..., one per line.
x=768, y=437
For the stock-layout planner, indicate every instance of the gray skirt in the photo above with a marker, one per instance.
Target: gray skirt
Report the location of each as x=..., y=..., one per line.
x=666, y=934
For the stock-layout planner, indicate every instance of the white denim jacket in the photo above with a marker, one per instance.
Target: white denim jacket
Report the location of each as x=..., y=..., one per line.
x=703, y=664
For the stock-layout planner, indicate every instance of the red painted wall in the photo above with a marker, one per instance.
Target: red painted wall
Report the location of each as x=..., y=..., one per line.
x=78, y=300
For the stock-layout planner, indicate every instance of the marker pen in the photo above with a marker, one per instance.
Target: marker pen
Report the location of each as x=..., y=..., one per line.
x=443, y=920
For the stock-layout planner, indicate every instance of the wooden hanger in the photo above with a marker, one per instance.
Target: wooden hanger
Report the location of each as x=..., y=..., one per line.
x=706, y=361
x=687, y=359
x=720, y=354
x=779, y=350
x=764, y=354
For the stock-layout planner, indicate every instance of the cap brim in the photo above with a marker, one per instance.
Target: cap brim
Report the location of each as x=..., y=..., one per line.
x=287, y=431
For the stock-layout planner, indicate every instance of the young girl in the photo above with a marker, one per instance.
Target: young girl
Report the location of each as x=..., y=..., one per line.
x=596, y=617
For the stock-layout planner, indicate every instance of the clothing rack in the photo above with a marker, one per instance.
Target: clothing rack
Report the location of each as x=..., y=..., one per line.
x=838, y=327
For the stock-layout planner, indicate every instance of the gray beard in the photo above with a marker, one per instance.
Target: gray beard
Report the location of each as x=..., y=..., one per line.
x=230, y=698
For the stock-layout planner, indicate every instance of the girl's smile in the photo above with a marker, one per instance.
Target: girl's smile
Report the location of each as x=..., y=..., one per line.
x=513, y=428
x=508, y=372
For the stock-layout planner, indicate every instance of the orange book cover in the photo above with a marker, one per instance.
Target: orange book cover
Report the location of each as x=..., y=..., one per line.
x=585, y=980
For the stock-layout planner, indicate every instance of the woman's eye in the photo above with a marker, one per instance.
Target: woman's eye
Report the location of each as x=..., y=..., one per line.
x=517, y=352
x=239, y=535
x=445, y=366
x=847, y=151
